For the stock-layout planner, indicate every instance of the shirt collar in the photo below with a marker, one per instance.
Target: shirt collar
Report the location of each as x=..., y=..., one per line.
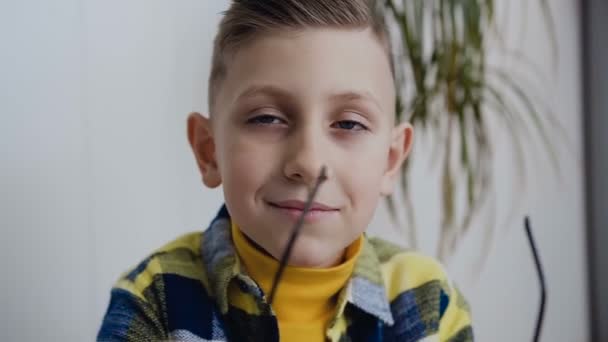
x=219, y=257
x=365, y=290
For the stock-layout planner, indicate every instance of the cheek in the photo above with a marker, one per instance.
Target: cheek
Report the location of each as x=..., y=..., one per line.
x=362, y=180
x=365, y=201
x=244, y=167
x=364, y=189
x=364, y=171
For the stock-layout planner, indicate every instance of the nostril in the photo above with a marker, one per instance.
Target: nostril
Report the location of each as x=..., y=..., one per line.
x=297, y=177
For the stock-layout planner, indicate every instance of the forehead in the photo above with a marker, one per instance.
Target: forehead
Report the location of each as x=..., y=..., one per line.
x=313, y=64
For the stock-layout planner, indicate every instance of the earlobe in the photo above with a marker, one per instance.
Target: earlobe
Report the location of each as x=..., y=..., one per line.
x=401, y=144
x=202, y=143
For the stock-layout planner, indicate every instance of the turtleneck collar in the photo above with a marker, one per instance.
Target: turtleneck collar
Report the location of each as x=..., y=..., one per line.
x=304, y=294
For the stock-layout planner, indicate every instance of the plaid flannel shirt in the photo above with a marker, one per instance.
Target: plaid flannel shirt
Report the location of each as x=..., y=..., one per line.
x=195, y=289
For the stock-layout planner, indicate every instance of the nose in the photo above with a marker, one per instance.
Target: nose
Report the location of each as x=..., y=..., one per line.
x=305, y=156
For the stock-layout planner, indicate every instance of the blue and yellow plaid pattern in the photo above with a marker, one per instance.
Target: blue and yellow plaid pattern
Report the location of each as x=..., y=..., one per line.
x=194, y=289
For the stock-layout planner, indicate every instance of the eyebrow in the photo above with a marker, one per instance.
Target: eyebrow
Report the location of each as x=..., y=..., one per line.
x=352, y=95
x=263, y=90
x=349, y=95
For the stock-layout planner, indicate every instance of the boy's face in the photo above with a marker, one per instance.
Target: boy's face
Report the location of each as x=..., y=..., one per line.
x=290, y=104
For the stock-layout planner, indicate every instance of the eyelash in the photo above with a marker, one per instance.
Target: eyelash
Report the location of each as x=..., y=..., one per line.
x=356, y=123
x=261, y=120
x=258, y=120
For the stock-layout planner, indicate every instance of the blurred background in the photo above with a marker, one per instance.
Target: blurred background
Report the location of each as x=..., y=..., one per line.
x=96, y=170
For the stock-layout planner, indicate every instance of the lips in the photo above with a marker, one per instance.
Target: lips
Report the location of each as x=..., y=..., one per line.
x=299, y=205
x=292, y=210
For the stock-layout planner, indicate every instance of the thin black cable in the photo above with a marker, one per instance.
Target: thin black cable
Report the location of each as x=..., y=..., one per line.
x=541, y=277
x=294, y=234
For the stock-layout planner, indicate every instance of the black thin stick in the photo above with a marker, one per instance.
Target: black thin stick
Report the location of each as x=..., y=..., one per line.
x=541, y=277
x=294, y=234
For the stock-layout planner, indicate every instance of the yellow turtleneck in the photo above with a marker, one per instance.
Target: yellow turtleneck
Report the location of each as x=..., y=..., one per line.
x=305, y=300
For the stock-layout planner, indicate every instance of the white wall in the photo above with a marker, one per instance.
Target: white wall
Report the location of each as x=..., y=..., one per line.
x=96, y=170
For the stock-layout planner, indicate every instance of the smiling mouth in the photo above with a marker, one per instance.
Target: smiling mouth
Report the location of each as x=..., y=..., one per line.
x=293, y=210
x=299, y=205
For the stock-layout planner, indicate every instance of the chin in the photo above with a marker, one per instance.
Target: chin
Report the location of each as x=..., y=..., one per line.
x=315, y=257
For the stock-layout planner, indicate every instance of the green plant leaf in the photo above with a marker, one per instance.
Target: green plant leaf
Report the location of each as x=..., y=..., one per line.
x=450, y=95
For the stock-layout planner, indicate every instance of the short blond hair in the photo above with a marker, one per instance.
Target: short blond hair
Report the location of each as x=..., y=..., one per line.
x=247, y=19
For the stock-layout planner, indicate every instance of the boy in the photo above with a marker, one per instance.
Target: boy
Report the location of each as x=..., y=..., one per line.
x=295, y=85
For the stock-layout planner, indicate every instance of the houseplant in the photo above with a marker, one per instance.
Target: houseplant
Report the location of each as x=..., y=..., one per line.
x=447, y=89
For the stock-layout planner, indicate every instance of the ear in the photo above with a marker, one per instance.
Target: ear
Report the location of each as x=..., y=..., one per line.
x=201, y=140
x=401, y=144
